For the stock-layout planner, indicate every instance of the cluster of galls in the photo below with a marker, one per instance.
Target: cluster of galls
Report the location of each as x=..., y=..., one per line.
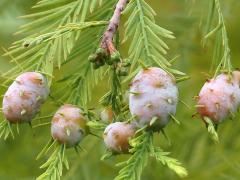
x=219, y=98
x=23, y=101
x=102, y=57
x=152, y=102
x=153, y=99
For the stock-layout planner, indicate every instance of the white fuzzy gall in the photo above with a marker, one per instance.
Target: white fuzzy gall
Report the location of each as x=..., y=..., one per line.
x=69, y=125
x=219, y=97
x=153, y=94
x=24, y=97
x=116, y=136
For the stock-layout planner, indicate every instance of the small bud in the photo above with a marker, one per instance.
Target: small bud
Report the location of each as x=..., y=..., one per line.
x=126, y=64
x=101, y=62
x=115, y=57
x=101, y=52
x=98, y=63
x=27, y=43
x=95, y=66
x=109, y=61
x=122, y=72
x=92, y=58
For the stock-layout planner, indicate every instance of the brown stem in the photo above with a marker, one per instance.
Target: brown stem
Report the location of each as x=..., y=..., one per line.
x=107, y=39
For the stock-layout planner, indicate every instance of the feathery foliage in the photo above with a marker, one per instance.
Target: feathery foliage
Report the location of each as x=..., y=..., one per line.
x=114, y=97
x=146, y=37
x=142, y=149
x=55, y=163
x=221, y=55
x=212, y=129
x=53, y=45
x=172, y=163
x=46, y=54
x=83, y=77
x=133, y=167
x=6, y=129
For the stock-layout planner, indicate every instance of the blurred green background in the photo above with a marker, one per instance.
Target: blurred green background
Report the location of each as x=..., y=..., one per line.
x=190, y=142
